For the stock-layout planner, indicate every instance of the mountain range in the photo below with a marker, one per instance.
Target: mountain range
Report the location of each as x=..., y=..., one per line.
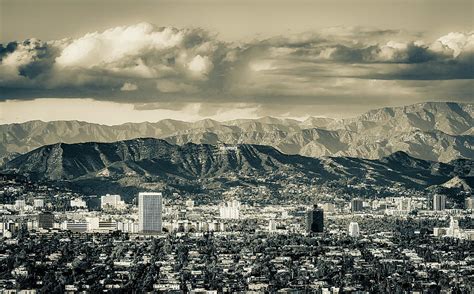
x=129, y=162
x=436, y=131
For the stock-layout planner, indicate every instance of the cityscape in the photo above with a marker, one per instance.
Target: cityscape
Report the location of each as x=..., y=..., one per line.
x=237, y=146
x=59, y=241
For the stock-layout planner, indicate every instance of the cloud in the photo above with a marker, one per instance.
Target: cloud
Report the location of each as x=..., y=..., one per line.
x=139, y=52
x=119, y=44
x=129, y=87
x=200, y=65
x=190, y=65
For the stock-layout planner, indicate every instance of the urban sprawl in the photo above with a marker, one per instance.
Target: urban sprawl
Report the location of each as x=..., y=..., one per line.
x=55, y=241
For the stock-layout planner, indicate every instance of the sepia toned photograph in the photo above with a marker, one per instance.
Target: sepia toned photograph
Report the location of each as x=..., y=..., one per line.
x=237, y=146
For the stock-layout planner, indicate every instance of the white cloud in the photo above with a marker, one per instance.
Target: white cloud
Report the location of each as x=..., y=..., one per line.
x=455, y=42
x=142, y=51
x=262, y=65
x=113, y=45
x=200, y=65
x=189, y=65
x=129, y=87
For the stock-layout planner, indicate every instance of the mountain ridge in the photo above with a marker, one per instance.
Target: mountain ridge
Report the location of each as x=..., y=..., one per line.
x=440, y=131
x=159, y=160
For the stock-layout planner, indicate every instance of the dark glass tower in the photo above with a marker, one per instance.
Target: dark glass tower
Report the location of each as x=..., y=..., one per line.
x=46, y=220
x=357, y=205
x=315, y=220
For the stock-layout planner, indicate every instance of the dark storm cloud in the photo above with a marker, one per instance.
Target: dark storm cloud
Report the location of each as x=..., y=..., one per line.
x=371, y=54
x=7, y=49
x=147, y=64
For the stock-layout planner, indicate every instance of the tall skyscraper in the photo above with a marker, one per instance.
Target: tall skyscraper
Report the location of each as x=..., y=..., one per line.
x=315, y=220
x=469, y=202
x=357, y=205
x=149, y=212
x=46, y=220
x=354, y=229
x=453, y=230
x=439, y=202
x=272, y=225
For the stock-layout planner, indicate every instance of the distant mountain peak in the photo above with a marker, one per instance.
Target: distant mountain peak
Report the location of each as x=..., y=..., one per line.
x=437, y=131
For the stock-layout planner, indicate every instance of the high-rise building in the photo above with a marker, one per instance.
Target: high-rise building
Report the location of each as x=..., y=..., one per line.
x=404, y=204
x=315, y=220
x=46, y=220
x=439, y=202
x=357, y=205
x=111, y=201
x=272, y=225
x=230, y=210
x=149, y=212
x=469, y=202
x=453, y=230
x=354, y=229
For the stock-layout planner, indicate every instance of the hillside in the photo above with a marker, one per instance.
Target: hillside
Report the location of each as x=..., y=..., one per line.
x=132, y=161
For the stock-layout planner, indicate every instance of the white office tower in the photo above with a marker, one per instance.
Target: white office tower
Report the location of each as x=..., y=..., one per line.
x=453, y=230
x=354, y=229
x=230, y=210
x=149, y=212
x=404, y=204
x=111, y=202
x=38, y=203
x=439, y=202
x=272, y=225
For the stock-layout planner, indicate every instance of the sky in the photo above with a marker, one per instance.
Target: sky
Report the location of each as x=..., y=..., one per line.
x=114, y=61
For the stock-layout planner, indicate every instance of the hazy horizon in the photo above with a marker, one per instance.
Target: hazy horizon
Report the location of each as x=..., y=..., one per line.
x=139, y=118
